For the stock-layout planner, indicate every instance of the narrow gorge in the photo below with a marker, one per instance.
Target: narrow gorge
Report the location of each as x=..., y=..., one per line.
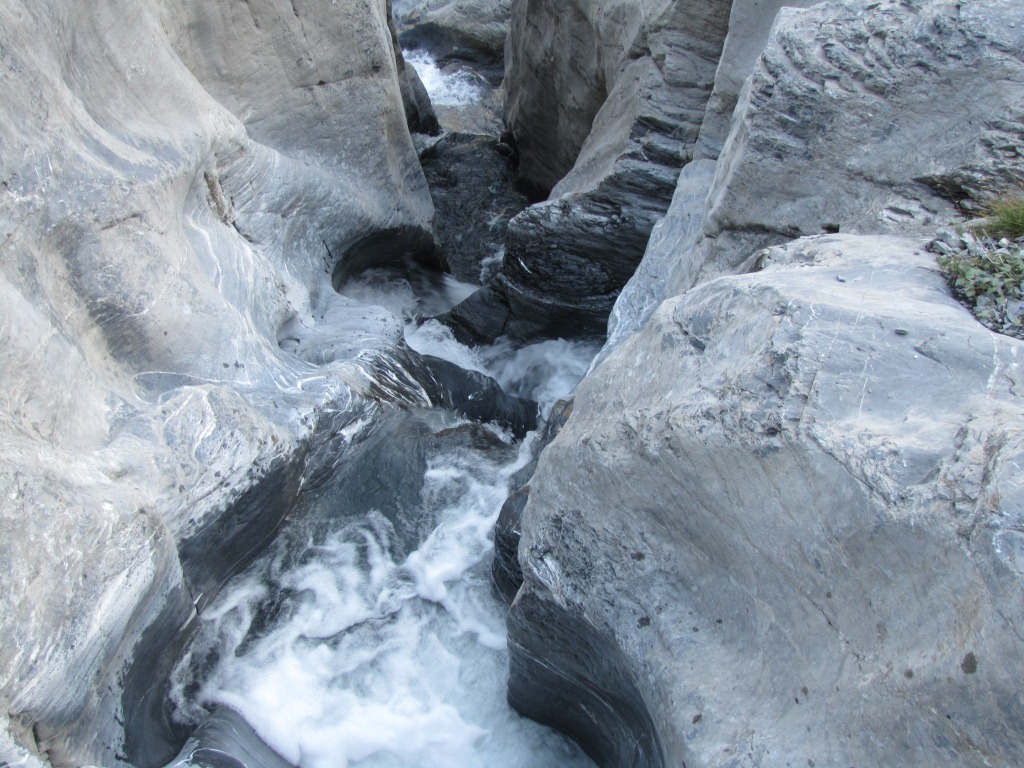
x=507, y=383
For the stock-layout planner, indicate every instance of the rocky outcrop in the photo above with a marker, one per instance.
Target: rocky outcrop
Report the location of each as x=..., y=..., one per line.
x=838, y=129
x=605, y=101
x=472, y=182
x=783, y=525
x=750, y=24
x=168, y=207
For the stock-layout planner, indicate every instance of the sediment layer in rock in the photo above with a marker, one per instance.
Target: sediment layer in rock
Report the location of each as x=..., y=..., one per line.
x=605, y=102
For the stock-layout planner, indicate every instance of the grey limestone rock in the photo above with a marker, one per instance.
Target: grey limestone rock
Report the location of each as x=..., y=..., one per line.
x=839, y=128
x=605, y=101
x=171, y=213
x=750, y=23
x=782, y=526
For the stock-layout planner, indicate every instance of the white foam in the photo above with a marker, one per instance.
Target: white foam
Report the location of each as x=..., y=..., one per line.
x=490, y=266
x=419, y=294
x=546, y=371
x=339, y=654
x=377, y=663
x=458, y=88
x=433, y=338
x=382, y=288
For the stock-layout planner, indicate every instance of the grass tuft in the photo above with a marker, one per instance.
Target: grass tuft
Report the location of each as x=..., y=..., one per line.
x=1005, y=218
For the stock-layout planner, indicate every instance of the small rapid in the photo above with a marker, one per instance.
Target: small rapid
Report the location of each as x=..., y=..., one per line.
x=462, y=98
x=368, y=634
x=447, y=87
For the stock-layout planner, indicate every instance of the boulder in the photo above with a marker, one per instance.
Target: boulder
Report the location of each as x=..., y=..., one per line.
x=470, y=30
x=472, y=182
x=782, y=526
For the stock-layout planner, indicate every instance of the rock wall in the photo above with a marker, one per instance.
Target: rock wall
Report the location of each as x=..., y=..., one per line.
x=781, y=525
x=838, y=129
x=605, y=102
x=177, y=182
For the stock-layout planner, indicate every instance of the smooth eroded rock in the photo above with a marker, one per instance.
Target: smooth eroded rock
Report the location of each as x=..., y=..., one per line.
x=786, y=515
x=167, y=207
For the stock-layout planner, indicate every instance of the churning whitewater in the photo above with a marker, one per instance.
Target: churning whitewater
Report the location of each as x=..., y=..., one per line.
x=339, y=652
x=372, y=638
x=455, y=88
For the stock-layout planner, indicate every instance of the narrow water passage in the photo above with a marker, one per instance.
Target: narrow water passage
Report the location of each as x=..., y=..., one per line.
x=368, y=635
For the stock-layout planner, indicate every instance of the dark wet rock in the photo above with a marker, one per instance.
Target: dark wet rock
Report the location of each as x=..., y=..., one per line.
x=472, y=182
x=611, y=149
x=482, y=317
x=401, y=249
x=556, y=82
x=589, y=692
x=473, y=395
x=419, y=112
x=225, y=740
x=506, y=575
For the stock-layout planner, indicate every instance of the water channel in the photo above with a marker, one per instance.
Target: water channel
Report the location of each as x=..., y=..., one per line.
x=368, y=634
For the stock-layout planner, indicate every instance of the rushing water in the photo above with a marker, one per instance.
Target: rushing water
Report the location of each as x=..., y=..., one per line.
x=368, y=640
x=368, y=634
x=449, y=87
x=463, y=100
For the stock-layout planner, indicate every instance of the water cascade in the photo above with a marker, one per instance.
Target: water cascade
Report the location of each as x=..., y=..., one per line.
x=369, y=633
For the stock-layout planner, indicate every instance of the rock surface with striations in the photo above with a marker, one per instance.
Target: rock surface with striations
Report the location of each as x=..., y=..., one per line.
x=782, y=523
x=605, y=101
x=838, y=129
x=174, y=361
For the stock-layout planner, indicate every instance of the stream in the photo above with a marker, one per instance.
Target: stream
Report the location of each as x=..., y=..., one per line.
x=368, y=634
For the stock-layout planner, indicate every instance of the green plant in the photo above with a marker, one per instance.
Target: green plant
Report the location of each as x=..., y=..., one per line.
x=995, y=275
x=1005, y=218
x=988, y=278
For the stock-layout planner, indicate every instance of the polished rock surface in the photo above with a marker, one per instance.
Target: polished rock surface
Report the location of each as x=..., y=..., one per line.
x=782, y=526
x=167, y=208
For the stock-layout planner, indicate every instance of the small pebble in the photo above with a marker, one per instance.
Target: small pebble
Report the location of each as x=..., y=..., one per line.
x=840, y=278
x=901, y=331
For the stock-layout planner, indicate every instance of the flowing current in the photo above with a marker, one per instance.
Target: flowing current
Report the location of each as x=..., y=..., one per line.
x=341, y=649
x=368, y=635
